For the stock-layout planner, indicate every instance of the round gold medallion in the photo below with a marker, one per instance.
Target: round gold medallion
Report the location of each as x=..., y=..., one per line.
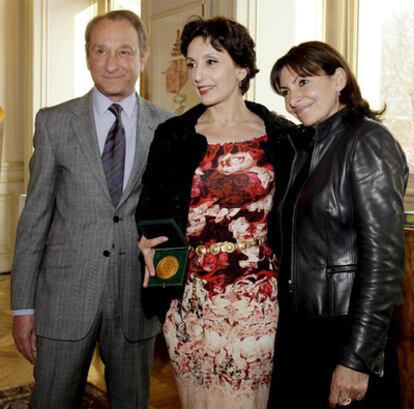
x=167, y=267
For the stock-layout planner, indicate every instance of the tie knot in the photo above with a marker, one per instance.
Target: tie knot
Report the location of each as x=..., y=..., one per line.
x=116, y=110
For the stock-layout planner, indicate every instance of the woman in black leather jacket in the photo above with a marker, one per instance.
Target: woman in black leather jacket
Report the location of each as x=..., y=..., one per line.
x=341, y=248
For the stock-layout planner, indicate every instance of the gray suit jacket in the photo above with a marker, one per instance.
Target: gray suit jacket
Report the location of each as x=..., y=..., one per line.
x=70, y=235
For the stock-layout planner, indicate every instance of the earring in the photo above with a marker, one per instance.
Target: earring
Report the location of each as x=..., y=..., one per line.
x=240, y=83
x=338, y=93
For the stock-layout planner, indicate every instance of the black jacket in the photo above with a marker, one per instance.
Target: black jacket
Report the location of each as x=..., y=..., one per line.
x=174, y=155
x=346, y=253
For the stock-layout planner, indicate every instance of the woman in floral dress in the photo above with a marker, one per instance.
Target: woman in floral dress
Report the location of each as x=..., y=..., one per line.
x=212, y=170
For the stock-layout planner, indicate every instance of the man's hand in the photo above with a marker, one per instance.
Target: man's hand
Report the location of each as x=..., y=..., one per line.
x=24, y=335
x=347, y=385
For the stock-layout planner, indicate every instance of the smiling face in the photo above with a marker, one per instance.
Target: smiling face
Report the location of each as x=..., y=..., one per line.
x=114, y=58
x=311, y=99
x=214, y=74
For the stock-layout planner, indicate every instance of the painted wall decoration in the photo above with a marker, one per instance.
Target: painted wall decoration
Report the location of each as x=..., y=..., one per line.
x=169, y=85
x=176, y=77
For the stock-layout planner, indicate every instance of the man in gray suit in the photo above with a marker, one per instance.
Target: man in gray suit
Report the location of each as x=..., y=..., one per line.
x=76, y=277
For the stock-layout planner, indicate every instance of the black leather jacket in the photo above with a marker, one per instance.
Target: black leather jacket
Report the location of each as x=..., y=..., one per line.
x=346, y=254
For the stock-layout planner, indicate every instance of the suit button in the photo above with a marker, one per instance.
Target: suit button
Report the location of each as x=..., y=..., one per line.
x=106, y=253
x=116, y=219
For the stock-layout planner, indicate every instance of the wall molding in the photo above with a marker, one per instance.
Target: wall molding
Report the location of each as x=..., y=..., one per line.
x=245, y=12
x=6, y=260
x=409, y=197
x=11, y=188
x=220, y=8
x=12, y=172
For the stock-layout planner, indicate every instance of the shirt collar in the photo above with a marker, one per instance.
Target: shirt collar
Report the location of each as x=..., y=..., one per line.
x=101, y=103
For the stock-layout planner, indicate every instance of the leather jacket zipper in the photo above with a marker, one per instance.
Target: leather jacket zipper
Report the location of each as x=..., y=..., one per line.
x=291, y=178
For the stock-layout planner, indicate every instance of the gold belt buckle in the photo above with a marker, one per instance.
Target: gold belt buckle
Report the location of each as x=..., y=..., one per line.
x=201, y=250
x=228, y=246
x=251, y=243
x=215, y=248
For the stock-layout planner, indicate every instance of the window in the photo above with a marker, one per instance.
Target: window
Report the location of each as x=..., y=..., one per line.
x=386, y=65
x=375, y=36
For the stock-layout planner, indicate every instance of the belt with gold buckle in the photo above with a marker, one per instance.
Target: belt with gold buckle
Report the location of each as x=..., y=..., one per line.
x=228, y=246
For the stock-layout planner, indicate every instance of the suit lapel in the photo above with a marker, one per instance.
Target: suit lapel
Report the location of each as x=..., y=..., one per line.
x=85, y=131
x=146, y=124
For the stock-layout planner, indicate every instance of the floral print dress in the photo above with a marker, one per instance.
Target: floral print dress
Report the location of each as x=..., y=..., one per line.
x=220, y=335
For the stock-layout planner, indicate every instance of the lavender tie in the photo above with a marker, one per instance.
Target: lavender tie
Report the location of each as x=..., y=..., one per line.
x=113, y=156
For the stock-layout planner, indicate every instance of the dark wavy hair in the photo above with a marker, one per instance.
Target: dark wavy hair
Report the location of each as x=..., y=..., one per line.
x=224, y=33
x=314, y=58
x=117, y=15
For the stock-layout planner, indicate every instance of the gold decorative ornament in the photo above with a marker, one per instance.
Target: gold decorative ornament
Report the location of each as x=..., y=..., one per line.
x=228, y=246
x=344, y=401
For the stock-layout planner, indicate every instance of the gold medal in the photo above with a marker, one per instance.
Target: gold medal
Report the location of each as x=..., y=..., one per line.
x=167, y=267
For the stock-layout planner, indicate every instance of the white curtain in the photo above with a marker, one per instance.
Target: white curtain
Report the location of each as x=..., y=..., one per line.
x=341, y=28
x=1, y=133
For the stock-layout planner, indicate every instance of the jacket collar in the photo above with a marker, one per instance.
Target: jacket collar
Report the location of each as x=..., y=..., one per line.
x=306, y=136
x=85, y=131
x=331, y=126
